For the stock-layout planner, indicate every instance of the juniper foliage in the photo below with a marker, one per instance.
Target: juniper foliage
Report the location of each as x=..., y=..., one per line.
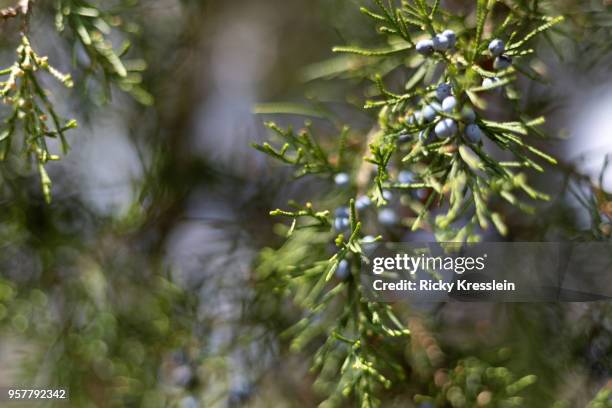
x=32, y=106
x=457, y=194
x=100, y=311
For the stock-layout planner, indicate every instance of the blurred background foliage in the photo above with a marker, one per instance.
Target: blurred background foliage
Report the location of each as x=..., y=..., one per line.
x=137, y=286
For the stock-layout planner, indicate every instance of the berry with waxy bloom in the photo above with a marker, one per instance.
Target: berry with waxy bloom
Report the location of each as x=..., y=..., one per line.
x=468, y=115
x=449, y=103
x=341, y=220
x=342, y=179
x=341, y=224
x=425, y=47
x=497, y=47
x=473, y=133
x=415, y=118
x=387, y=217
x=430, y=111
x=441, y=43
x=425, y=136
x=443, y=90
x=452, y=37
x=487, y=82
x=445, y=128
x=362, y=202
x=502, y=62
x=343, y=271
x=405, y=177
x=342, y=212
x=404, y=138
x=421, y=193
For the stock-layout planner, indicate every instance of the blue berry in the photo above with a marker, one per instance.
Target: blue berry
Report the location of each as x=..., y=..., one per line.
x=468, y=114
x=441, y=42
x=415, y=118
x=445, y=128
x=449, y=103
x=452, y=37
x=425, y=136
x=425, y=47
x=487, y=82
x=342, y=179
x=405, y=177
x=342, y=212
x=497, y=47
x=362, y=202
x=442, y=91
x=341, y=224
x=387, y=216
x=404, y=138
x=473, y=133
x=387, y=195
x=502, y=62
x=421, y=193
x=430, y=111
x=368, y=239
x=343, y=270
x=429, y=114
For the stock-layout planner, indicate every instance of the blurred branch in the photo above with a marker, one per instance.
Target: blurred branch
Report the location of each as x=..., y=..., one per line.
x=22, y=7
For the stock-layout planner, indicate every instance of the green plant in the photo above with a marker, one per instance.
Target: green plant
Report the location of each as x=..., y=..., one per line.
x=32, y=106
x=427, y=126
x=33, y=111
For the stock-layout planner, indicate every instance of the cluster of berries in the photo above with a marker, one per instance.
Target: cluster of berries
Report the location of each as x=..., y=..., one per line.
x=436, y=113
x=501, y=62
x=342, y=224
x=341, y=221
x=386, y=216
x=442, y=127
x=439, y=42
x=445, y=127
